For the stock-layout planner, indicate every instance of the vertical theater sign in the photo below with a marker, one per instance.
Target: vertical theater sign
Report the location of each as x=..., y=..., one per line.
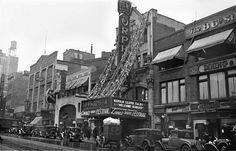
x=124, y=9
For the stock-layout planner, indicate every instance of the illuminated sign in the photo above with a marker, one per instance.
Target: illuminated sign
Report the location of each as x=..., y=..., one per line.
x=124, y=9
x=114, y=107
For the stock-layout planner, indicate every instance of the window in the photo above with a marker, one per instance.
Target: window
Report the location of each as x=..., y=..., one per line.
x=217, y=84
x=173, y=91
x=141, y=93
x=145, y=60
x=212, y=86
x=232, y=82
x=203, y=87
x=182, y=90
x=139, y=61
x=163, y=93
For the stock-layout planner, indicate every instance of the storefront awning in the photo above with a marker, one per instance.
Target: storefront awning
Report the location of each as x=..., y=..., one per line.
x=166, y=55
x=37, y=121
x=80, y=81
x=209, y=41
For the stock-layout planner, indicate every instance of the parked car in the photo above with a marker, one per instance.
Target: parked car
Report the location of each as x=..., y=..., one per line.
x=75, y=134
x=182, y=140
x=227, y=142
x=50, y=131
x=144, y=138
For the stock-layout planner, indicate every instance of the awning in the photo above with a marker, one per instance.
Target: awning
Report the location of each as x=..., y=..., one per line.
x=70, y=84
x=80, y=81
x=209, y=41
x=37, y=121
x=166, y=55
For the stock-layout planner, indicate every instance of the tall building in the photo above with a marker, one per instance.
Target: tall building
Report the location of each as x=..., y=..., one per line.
x=16, y=91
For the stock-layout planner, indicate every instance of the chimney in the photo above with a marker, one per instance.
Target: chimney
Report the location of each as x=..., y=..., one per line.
x=91, y=48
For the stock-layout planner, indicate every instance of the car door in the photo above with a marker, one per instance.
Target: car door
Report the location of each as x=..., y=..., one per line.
x=173, y=139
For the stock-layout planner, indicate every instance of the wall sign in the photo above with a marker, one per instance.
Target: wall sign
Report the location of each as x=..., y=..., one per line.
x=124, y=9
x=210, y=23
x=177, y=109
x=222, y=64
x=204, y=107
x=114, y=106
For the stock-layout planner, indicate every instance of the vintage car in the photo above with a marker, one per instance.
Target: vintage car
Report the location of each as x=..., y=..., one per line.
x=182, y=140
x=75, y=134
x=144, y=138
x=49, y=131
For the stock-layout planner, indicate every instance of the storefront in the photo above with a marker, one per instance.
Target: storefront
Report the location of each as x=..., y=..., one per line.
x=133, y=114
x=213, y=46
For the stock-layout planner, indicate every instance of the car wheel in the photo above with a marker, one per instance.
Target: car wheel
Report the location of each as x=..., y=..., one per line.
x=145, y=146
x=222, y=147
x=158, y=147
x=185, y=148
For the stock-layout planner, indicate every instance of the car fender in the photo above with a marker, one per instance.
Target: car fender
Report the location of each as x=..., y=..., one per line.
x=148, y=141
x=185, y=144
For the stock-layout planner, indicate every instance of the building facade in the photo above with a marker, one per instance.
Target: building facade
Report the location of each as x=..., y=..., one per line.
x=133, y=102
x=194, y=76
x=16, y=89
x=42, y=77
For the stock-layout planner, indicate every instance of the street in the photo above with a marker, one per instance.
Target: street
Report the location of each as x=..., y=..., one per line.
x=17, y=144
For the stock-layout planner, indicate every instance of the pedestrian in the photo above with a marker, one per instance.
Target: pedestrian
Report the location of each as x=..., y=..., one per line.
x=95, y=132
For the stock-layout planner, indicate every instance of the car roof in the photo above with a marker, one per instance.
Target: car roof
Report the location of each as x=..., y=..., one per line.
x=182, y=130
x=147, y=129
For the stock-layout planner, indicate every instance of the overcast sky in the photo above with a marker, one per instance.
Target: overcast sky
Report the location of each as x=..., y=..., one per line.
x=79, y=23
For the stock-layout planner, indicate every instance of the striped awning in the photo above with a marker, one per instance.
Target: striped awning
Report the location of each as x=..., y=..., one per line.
x=166, y=55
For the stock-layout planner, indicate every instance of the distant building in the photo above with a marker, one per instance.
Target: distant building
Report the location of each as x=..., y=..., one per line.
x=71, y=54
x=43, y=76
x=16, y=89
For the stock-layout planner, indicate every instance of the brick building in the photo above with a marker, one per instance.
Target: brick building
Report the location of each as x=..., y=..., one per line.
x=194, y=76
x=42, y=77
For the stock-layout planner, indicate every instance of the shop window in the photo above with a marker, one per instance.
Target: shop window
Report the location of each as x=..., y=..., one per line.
x=173, y=91
x=232, y=82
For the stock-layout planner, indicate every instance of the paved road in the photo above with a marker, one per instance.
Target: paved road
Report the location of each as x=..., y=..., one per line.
x=19, y=144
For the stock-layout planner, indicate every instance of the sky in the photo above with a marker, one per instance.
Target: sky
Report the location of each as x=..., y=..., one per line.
x=57, y=25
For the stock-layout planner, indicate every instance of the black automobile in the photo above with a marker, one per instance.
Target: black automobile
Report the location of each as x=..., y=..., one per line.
x=228, y=140
x=50, y=131
x=75, y=134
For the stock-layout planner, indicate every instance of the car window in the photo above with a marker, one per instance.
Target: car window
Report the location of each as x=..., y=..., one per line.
x=187, y=135
x=174, y=134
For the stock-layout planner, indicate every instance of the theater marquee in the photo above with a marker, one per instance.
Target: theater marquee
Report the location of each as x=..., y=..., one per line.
x=114, y=107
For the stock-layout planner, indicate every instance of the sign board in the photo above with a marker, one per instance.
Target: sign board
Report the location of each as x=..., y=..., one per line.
x=61, y=67
x=114, y=107
x=217, y=65
x=177, y=109
x=124, y=9
x=212, y=22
